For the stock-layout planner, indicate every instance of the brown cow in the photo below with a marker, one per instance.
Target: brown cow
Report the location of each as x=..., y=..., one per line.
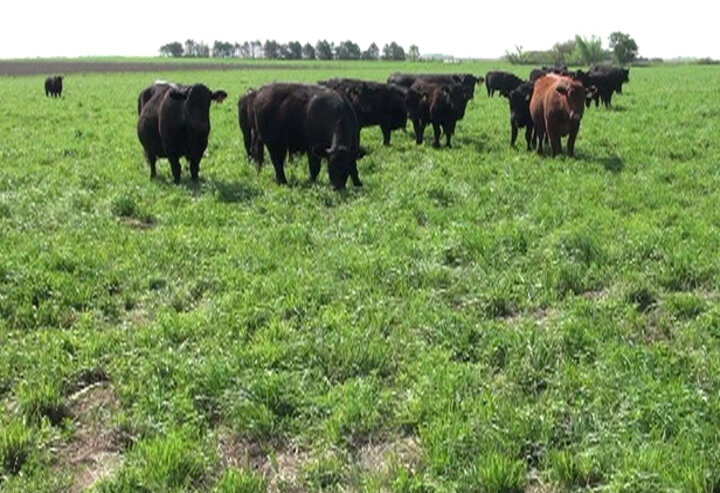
x=556, y=108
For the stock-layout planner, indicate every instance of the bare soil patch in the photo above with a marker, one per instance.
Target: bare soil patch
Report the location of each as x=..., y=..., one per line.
x=48, y=67
x=95, y=450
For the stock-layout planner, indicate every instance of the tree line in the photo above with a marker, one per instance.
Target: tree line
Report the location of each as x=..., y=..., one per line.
x=272, y=50
x=579, y=51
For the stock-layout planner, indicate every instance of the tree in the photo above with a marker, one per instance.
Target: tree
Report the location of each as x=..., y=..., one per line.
x=222, y=49
x=393, y=51
x=372, y=53
x=308, y=52
x=347, y=50
x=174, y=49
x=294, y=50
x=324, y=50
x=190, y=48
x=256, y=49
x=271, y=48
x=202, y=50
x=590, y=50
x=413, y=53
x=623, y=47
x=561, y=52
x=244, y=50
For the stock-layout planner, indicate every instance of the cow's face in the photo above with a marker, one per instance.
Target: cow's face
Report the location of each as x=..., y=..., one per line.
x=342, y=160
x=575, y=93
x=458, y=97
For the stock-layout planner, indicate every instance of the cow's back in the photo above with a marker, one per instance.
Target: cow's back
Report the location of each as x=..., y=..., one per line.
x=541, y=88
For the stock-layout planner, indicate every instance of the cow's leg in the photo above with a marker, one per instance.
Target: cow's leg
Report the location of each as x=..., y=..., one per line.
x=175, y=168
x=513, y=133
x=554, y=139
x=386, y=135
x=247, y=142
x=449, y=129
x=194, y=169
x=419, y=130
x=539, y=136
x=277, y=156
x=354, y=175
x=529, y=136
x=313, y=165
x=571, y=139
x=151, y=160
x=436, y=134
x=256, y=149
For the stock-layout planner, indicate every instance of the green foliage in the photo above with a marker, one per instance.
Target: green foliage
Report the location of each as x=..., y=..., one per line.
x=480, y=314
x=238, y=481
x=14, y=447
x=590, y=51
x=624, y=48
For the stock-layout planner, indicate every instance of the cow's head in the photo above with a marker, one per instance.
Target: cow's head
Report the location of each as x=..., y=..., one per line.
x=575, y=94
x=342, y=160
x=457, y=96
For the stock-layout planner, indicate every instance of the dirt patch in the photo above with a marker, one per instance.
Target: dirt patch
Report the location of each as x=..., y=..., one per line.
x=281, y=465
x=95, y=450
x=61, y=66
x=378, y=457
x=598, y=295
x=138, y=223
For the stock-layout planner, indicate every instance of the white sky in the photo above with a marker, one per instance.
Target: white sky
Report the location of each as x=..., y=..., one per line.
x=33, y=28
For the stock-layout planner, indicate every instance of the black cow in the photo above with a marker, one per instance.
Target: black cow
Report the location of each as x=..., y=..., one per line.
x=467, y=81
x=54, y=86
x=503, y=82
x=519, y=99
x=607, y=80
x=175, y=123
x=536, y=73
x=246, y=119
x=374, y=103
x=441, y=105
x=307, y=118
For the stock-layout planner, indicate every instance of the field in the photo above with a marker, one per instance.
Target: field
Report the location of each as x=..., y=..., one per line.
x=473, y=319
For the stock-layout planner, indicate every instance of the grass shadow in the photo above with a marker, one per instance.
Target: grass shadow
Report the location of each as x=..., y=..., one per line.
x=235, y=192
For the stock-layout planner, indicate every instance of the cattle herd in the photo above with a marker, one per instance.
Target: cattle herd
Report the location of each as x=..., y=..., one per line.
x=324, y=120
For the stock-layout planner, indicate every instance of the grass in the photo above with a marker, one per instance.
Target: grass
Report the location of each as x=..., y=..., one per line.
x=518, y=318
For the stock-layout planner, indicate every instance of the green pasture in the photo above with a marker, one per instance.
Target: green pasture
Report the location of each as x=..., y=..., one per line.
x=474, y=319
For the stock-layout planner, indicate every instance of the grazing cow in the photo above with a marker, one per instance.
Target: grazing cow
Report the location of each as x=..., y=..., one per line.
x=519, y=100
x=374, y=103
x=54, y=86
x=556, y=108
x=467, y=81
x=503, y=82
x=312, y=119
x=175, y=123
x=246, y=119
x=441, y=105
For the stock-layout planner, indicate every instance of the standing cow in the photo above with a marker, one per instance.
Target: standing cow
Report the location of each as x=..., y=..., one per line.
x=175, y=123
x=441, y=105
x=374, y=103
x=556, y=108
x=503, y=82
x=467, y=81
x=519, y=100
x=246, y=119
x=292, y=118
x=54, y=86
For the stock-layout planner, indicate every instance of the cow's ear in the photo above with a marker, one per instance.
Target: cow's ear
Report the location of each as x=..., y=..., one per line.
x=320, y=151
x=219, y=96
x=177, y=94
x=561, y=89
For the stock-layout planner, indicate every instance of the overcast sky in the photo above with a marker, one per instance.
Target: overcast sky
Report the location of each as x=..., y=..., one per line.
x=33, y=28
